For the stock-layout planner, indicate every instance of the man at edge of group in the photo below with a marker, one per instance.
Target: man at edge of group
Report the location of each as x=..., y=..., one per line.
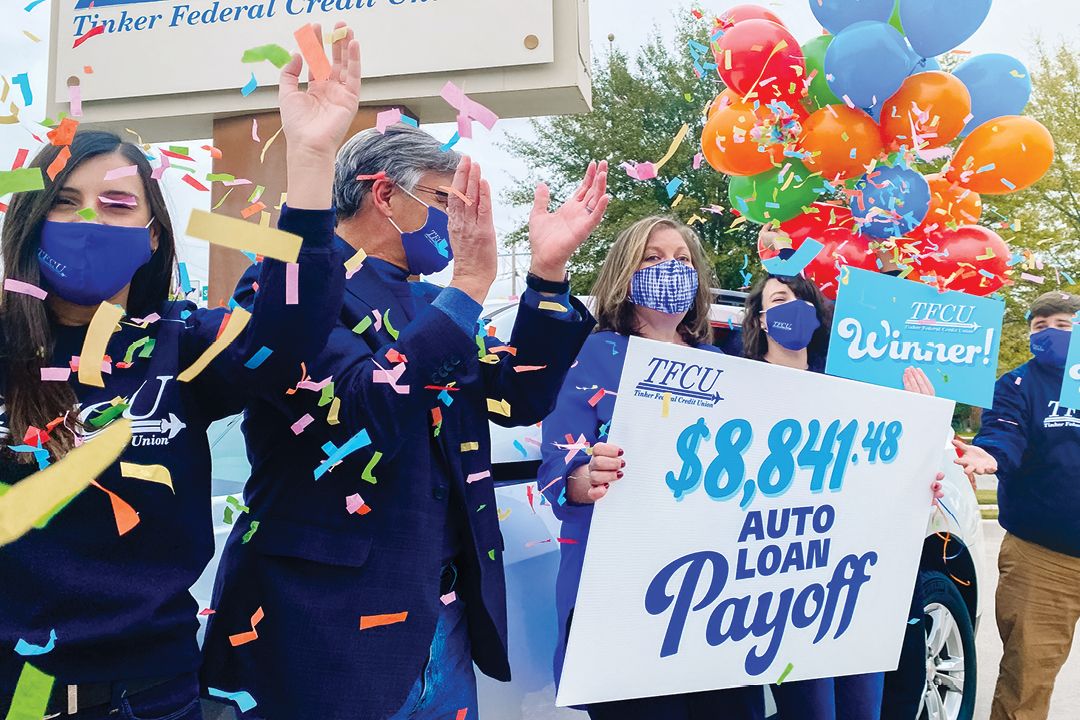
x=377, y=571
x=1032, y=442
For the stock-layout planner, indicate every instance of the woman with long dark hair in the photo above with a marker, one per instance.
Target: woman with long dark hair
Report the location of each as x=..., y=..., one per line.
x=100, y=586
x=787, y=321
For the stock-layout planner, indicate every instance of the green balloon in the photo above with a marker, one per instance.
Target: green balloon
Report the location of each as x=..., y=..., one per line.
x=767, y=197
x=814, y=53
x=895, y=19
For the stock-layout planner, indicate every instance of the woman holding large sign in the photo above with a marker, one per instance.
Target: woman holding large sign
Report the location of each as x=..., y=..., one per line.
x=654, y=284
x=95, y=599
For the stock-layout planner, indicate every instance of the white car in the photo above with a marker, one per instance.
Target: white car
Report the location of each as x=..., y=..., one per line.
x=949, y=572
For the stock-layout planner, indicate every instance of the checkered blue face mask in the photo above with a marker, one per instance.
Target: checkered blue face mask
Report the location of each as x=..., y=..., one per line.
x=668, y=287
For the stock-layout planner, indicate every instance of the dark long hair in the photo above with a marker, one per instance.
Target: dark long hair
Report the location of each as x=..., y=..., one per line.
x=755, y=339
x=26, y=325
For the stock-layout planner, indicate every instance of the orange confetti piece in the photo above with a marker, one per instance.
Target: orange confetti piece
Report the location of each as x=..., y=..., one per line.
x=373, y=621
x=454, y=191
x=63, y=133
x=504, y=348
x=528, y=368
x=252, y=209
x=60, y=162
x=126, y=517
x=249, y=635
x=311, y=48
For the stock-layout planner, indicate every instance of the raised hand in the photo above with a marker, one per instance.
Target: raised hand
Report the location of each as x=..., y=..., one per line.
x=974, y=460
x=472, y=232
x=554, y=236
x=315, y=121
x=591, y=482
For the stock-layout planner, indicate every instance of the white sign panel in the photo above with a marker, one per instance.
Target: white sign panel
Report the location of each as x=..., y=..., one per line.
x=770, y=523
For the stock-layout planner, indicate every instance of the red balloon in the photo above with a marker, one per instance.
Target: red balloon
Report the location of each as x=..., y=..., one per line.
x=959, y=269
x=739, y=13
x=757, y=50
x=843, y=247
x=815, y=224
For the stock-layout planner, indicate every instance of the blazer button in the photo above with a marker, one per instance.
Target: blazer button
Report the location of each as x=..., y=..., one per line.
x=439, y=493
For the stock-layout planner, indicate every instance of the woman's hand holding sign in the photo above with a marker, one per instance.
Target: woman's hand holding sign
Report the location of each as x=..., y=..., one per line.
x=591, y=482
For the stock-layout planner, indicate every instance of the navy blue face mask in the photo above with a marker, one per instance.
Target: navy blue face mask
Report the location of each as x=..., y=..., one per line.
x=792, y=324
x=1051, y=346
x=427, y=250
x=87, y=263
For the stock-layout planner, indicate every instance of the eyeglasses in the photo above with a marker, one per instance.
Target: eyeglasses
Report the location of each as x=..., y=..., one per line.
x=441, y=195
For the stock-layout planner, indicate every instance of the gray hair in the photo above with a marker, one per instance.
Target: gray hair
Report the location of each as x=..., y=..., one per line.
x=403, y=152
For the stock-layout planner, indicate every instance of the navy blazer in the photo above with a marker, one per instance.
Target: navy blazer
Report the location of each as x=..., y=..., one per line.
x=314, y=568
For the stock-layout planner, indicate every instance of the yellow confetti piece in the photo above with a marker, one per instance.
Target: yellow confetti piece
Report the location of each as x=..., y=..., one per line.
x=31, y=35
x=667, y=405
x=503, y=514
x=679, y=137
x=152, y=473
x=554, y=306
x=352, y=265
x=335, y=408
x=26, y=502
x=338, y=34
x=97, y=338
x=264, y=219
x=235, y=325
x=281, y=202
x=678, y=199
x=467, y=446
x=492, y=359
x=499, y=407
x=262, y=155
x=244, y=236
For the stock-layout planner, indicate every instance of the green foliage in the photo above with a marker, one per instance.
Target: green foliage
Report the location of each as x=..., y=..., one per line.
x=639, y=104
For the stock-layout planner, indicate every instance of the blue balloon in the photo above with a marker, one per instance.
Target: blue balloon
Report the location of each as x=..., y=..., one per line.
x=891, y=201
x=937, y=26
x=867, y=62
x=998, y=84
x=835, y=15
x=922, y=65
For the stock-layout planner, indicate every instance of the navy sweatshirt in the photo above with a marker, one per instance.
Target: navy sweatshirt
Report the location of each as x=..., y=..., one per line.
x=1036, y=443
x=120, y=604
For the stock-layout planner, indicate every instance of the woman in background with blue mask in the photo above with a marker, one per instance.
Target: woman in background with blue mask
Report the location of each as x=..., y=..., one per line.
x=655, y=284
x=97, y=594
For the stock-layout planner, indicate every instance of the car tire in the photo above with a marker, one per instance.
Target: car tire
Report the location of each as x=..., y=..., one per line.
x=950, y=648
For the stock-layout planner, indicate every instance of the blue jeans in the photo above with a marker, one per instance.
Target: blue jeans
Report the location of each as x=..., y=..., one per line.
x=176, y=699
x=447, y=684
x=851, y=697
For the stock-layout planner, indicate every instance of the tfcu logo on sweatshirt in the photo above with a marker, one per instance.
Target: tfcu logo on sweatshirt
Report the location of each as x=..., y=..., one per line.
x=684, y=383
x=1061, y=416
x=150, y=424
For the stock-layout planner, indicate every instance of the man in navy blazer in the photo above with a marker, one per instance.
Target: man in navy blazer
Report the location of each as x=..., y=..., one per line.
x=366, y=575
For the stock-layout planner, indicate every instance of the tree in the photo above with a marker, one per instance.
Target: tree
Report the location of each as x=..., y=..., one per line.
x=639, y=105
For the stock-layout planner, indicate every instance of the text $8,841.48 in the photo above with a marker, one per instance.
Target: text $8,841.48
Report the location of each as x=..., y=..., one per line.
x=826, y=451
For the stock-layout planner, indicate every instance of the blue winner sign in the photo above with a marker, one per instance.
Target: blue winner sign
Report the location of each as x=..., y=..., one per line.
x=883, y=324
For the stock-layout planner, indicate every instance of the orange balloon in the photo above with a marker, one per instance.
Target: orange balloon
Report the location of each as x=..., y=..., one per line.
x=950, y=207
x=728, y=97
x=1003, y=155
x=937, y=104
x=830, y=135
x=728, y=145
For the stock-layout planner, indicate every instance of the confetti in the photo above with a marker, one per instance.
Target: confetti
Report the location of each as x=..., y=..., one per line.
x=666, y=407
x=468, y=110
x=298, y=426
x=59, y=163
x=353, y=264
x=784, y=674
x=336, y=455
x=679, y=136
x=553, y=306
x=249, y=635
x=386, y=118
x=197, y=185
x=448, y=598
x=275, y=54
x=373, y=621
x=32, y=692
x=499, y=407
x=242, y=698
x=21, y=180
x=243, y=236
x=469, y=446
x=258, y=358
x=23, y=81
x=528, y=368
x=310, y=44
x=26, y=649
x=477, y=476
x=125, y=516
x=368, y=475
x=249, y=86
x=75, y=97
x=797, y=262
x=24, y=288
x=151, y=473
x=97, y=338
x=55, y=374
x=354, y=504
x=292, y=280
x=234, y=325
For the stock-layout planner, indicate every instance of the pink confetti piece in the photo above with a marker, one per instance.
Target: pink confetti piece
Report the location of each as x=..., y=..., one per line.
x=640, y=171
x=160, y=169
x=391, y=378
x=448, y=597
x=149, y=319
x=469, y=108
x=122, y=172
x=311, y=385
x=292, y=283
x=75, y=99
x=106, y=366
x=378, y=319
x=477, y=476
x=1032, y=278
x=56, y=374
x=255, y=129
x=237, y=181
x=354, y=504
x=298, y=426
x=698, y=157
x=386, y=118
x=129, y=201
x=24, y=288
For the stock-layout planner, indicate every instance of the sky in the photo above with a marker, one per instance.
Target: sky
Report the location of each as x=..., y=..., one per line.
x=1010, y=28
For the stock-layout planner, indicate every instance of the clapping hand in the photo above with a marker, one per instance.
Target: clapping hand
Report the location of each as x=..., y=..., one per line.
x=554, y=236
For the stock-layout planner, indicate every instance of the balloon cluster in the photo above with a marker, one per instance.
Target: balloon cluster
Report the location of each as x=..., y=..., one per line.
x=848, y=118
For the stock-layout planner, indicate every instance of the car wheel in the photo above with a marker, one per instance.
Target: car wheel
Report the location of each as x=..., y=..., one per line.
x=949, y=692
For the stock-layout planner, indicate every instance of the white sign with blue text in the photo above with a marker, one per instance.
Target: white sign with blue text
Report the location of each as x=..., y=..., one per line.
x=882, y=325
x=769, y=524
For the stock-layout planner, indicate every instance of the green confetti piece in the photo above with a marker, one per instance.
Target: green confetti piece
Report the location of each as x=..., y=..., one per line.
x=784, y=674
x=87, y=213
x=389, y=328
x=129, y=356
x=31, y=694
x=256, y=193
x=148, y=348
x=182, y=167
x=219, y=177
x=491, y=553
x=109, y=414
x=481, y=348
x=362, y=325
x=250, y=533
x=275, y=54
x=375, y=458
x=481, y=507
x=327, y=396
x=21, y=180
x=227, y=516
x=180, y=150
x=222, y=200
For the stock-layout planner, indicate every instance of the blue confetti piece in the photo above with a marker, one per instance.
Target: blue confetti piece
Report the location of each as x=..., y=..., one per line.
x=357, y=441
x=562, y=497
x=445, y=398
x=772, y=205
x=409, y=121
x=614, y=351
x=604, y=429
x=1006, y=183
x=33, y=5
x=185, y=314
x=913, y=621
x=986, y=168
x=745, y=262
x=521, y=449
x=673, y=186
x=242, y=698
x=258, y=358
x=23, y=81
x=796, y=262
x=445, y=147
x=251, y=256
x=1068, y=277
x=29, y=649
x=250, y=86
x=185, y=280
x=986, y=274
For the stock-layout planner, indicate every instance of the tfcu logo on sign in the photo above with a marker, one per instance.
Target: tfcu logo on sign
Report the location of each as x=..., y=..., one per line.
x=945, y=317
x=685, y=383
x=180, y=14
